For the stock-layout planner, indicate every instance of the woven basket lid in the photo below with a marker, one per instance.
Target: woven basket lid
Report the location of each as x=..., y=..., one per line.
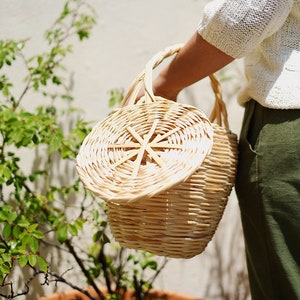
x=146, y=146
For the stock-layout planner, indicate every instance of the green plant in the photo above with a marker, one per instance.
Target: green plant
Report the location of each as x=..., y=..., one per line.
x=43, y=214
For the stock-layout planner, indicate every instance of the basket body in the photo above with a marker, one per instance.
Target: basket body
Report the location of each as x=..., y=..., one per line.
x=181, y=221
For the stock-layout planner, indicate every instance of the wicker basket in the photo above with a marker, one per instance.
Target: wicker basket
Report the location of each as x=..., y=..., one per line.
x=163, y=169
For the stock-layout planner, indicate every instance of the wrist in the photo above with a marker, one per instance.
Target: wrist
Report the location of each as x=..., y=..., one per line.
x=161, y=87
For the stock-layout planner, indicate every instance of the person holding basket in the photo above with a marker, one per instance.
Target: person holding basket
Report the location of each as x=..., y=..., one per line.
x=266, y=34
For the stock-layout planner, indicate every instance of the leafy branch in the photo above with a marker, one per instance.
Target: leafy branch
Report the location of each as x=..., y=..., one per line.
x=39, y=210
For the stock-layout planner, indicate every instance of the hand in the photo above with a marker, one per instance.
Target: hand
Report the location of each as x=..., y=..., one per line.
x=159, y=89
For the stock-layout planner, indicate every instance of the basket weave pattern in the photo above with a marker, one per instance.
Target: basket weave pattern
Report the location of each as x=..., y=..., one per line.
x=164, y=170
x=181, y=221
x=141, y=150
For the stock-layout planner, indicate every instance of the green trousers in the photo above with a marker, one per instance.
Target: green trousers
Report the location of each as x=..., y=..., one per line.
x=268, y=190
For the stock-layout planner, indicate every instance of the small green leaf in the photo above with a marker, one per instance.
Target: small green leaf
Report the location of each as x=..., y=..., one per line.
x=105, y=239
x=95, y=215
x=32, y=260
x=16, y=232
x=36, y=85
x=37, y=234
x=62, y=233
x=6, y=257
x=23, y=222
x=150, y=264
x=33, y=245
x=73, y=229
x=32, y=227
x=56, y=80
x=5, y=212
x=42, y=264
x=6, y=172
x=25, y=238
x=79, y=224
x=12, y=216
x=39, y=60
x=23, y=260
x=97, y=236
x=7, y=231
x=4, y=268
x=55, y=143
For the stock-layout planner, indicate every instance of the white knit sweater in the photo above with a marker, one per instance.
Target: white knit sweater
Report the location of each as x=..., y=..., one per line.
x=267, y=34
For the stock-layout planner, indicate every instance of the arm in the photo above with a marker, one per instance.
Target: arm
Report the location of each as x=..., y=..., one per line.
x=196, y=60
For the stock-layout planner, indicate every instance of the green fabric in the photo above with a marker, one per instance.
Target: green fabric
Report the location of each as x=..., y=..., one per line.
x=268, y=189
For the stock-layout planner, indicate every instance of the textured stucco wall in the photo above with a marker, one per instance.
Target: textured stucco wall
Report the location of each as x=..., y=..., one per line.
x=128, y=33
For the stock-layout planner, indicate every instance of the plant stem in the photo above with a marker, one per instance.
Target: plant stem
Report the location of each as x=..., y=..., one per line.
x=137, y=288
x=84, y=270
x=102, y=260
x=59, y=278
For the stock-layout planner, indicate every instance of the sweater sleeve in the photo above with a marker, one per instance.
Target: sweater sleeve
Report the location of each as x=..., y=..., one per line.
x=238, y=26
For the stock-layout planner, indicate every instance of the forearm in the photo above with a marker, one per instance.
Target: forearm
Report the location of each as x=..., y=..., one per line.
x=196, y=60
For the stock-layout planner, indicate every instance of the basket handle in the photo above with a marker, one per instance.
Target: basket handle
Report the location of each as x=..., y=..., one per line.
x=144, y=79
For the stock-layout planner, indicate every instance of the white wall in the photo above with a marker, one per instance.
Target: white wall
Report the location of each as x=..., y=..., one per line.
x=128, y=33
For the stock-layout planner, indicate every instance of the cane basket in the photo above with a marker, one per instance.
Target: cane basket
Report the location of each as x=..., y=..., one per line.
x=164, y=169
